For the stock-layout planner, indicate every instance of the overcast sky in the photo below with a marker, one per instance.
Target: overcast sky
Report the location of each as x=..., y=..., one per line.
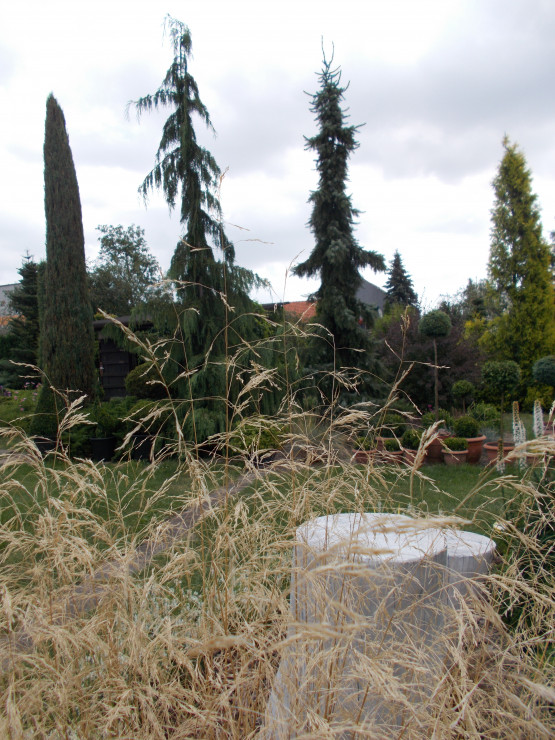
x=437, y=84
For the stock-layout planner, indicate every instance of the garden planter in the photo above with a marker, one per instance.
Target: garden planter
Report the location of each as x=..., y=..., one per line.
x=455, y=457
x=434, y=451
x=393, y=458
x=102, y=448
x=475, y=447
x=492, y=447
x=540, y=451
x=409, y=456
x=44, y=445
x=364, y=457
x=141, y=446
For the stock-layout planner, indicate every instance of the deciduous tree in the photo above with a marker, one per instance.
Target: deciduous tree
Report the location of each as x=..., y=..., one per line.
x=124, y=272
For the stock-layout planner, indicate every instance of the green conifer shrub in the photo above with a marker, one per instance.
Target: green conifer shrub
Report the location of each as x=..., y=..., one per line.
x=520, y=276
x=337, y=258
x=66, y=329
x=466, y=426
x=213, y=326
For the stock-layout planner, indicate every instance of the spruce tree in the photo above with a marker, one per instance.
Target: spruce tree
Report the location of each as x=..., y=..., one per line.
x=519, y=269
x=24, y=326
x=337, y=257
x=215, y=311
x=66, y=328
x=399, y=286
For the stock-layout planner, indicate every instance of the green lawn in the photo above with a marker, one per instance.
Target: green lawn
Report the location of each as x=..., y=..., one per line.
x=116, y=504
x=132, y=493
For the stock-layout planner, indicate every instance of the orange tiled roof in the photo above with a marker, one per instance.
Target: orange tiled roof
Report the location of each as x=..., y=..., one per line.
x=305, y=310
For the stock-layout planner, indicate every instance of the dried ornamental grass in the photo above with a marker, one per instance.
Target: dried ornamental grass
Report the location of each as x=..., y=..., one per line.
x=149, y=626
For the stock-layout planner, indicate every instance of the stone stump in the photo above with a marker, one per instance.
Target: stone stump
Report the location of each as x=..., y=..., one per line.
x=373, y=599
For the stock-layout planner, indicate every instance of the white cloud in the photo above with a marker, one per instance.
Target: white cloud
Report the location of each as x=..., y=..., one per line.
x=438, y=85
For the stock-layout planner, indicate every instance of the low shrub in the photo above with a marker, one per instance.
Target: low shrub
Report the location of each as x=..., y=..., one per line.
x=466, y=426
x=144, y=382
x=18, y=406
x=106, y=420
x=257, y=435
x=541, y=393
x=394, y=425
x=48, y=412
x=411, y=439
x=429, y=418
x=486, y=414
x=456, y=444
x=463, y=391
x=363, y=443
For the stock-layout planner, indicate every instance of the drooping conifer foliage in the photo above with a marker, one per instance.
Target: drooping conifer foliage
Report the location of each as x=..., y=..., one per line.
x=519, y=269
x=214, y=309
x=23, y=327
x=337, y=258
x=66, y=328
x=399, y=288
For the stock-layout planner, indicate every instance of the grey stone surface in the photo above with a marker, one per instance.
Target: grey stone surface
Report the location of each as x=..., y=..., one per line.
x=369, y=593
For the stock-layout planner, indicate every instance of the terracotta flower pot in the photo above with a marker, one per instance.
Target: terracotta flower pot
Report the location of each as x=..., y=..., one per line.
x=363, y=457
x=434, y=451
x=409, y=456
x=475, y=447
x=455, y=457
x=392, y=458
x=491, y=449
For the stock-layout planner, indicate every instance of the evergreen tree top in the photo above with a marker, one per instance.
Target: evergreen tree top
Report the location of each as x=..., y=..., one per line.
x=337, y=258
x=333, y=215
x=516, y=231
x=399, y=286
x=522, y=326
x=185, y=170
x=61, y=191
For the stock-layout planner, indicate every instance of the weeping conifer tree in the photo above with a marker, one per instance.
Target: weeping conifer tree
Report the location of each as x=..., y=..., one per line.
x=337, y=258
x=215, y=311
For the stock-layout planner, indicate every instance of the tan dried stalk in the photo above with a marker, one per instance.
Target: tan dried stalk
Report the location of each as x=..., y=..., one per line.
x=129, y=624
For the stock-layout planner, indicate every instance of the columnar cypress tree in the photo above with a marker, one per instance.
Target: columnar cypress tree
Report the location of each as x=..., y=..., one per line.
x=337, y=257
x=399, y=285
x=519, y=269
x=66, y=329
